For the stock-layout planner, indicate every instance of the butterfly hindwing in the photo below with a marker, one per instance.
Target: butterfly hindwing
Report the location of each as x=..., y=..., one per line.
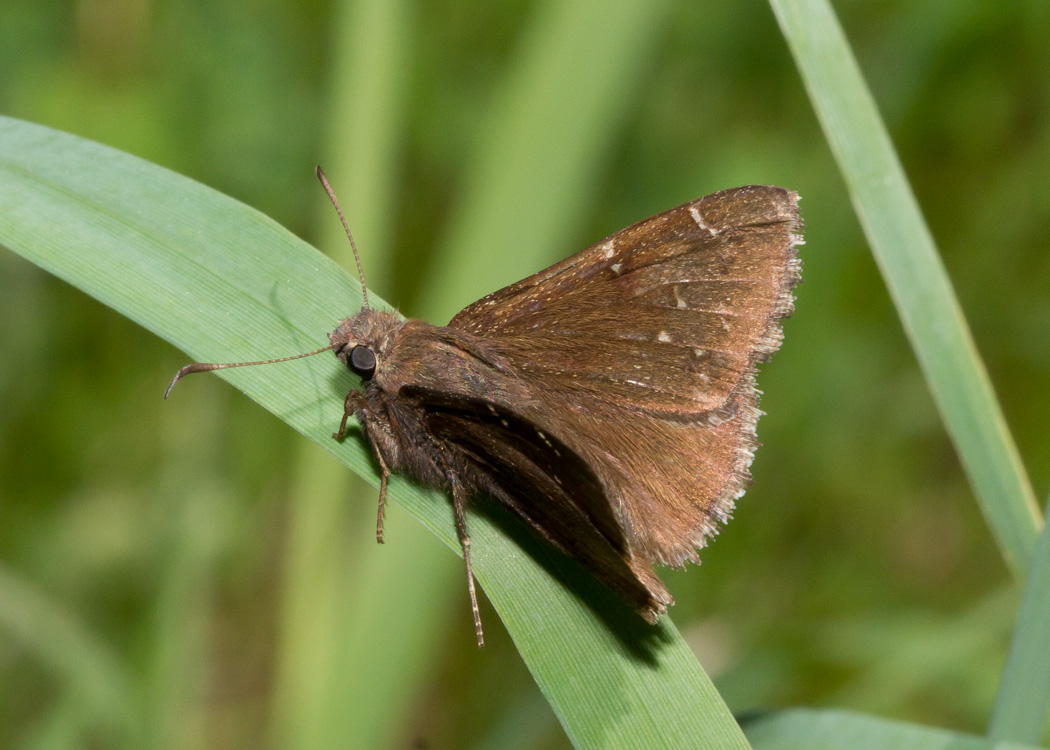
x=544, y=483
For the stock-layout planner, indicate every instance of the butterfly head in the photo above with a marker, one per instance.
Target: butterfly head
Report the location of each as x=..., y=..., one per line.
x=361, y=342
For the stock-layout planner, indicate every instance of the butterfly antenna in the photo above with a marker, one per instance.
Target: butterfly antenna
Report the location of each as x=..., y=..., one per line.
x=208, y=367
x=353, y=245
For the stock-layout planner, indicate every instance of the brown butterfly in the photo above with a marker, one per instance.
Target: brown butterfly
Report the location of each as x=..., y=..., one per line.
x=608, y=401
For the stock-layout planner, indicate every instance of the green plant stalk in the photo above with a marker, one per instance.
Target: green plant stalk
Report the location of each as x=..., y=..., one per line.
x=914, y=274
x=1021, y=705
x=221, y=281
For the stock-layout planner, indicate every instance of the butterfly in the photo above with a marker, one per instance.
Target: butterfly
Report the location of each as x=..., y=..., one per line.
x=608, y=401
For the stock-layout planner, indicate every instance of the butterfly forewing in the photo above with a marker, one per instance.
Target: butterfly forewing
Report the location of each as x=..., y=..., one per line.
x=687, y=298
x=638, y=353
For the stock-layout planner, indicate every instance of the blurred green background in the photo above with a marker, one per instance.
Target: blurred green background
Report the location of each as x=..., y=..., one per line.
x=198, y=571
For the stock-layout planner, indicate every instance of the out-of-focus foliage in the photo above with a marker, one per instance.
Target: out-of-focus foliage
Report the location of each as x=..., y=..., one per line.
x=858, y=571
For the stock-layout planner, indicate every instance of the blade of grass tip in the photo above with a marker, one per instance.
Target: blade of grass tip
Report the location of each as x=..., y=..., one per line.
x=802, y=729
x=914, y=274
x=350, y=661
x=1021, y=705
x=94, y=678
x=219, y=280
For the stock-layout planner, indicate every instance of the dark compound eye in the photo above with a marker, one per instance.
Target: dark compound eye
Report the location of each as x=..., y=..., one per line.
x=362, y=361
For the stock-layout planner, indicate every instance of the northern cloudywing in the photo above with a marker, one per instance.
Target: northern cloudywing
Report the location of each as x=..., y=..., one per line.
x=608, y=401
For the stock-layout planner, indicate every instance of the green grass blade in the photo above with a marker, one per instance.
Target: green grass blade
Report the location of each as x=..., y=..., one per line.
x=917, y=280
x=223, y=282
x=1024, y=692
x=834, y=730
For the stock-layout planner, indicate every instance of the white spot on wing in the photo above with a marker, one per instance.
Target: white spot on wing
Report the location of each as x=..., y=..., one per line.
x=662, y=336
x=608, y=247
x=695, y=213
x=617, y=268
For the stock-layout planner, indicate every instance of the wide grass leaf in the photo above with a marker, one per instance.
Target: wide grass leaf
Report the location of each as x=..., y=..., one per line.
x=222, y=282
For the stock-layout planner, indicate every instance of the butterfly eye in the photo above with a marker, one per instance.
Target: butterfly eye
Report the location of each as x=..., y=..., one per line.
x=363, y=362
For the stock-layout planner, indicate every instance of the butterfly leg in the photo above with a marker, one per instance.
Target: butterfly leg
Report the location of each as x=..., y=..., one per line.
x=352, y=399
x=355, y=404
x=385, y=474
x=459, y=508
